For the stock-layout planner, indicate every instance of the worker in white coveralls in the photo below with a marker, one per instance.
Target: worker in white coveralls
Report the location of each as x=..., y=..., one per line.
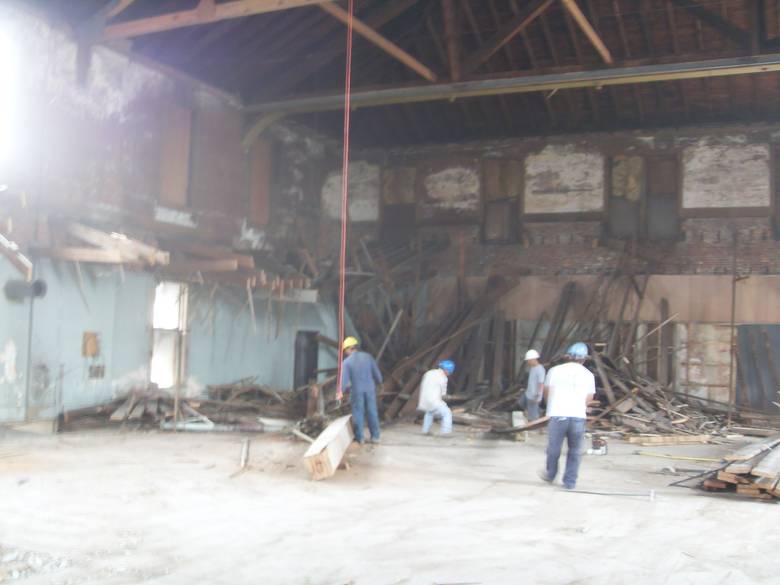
x=433, y=389
x=534, y=389
x=568, y=388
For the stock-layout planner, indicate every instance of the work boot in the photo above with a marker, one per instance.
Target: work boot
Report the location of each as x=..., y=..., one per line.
x=374, y=441
x=543, y=476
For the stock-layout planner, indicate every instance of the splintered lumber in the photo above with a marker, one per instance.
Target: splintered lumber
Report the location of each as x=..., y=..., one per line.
x=130, y=249
x=324, y=455
x=732, y=477
x=669, y=439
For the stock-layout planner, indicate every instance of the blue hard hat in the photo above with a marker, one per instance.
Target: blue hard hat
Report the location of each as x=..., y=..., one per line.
x=578, y=350
x=447, y=365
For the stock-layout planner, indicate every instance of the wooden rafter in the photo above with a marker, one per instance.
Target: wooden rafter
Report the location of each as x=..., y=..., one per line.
x=380, y=41
x=715, y=21
x=113, y=8
x=451, y=37
x=588, y=30
x=205, y=12
x=325, y=55
x=11, y=251
x=506, y=33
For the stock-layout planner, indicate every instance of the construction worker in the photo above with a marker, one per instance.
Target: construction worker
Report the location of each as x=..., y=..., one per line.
x=433, y=389
x=360, y=372
x=534, y=389
x=568, y=389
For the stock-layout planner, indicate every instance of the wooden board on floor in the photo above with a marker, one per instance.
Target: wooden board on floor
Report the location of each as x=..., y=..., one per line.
x=121, y=413
x=753, y=449
x=732, y=478
x=769, y=466
x=324, y=455
x=536, y=424
x=670, y=439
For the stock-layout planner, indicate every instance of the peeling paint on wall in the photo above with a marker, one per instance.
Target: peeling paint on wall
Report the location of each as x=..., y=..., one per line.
x=456, y=188
x=174, y=216
x=564, y=179
x=8, y=359
x=364, y=182
x=727, y=171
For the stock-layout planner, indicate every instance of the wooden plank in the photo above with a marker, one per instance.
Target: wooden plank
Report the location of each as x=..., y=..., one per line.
x=129, y=248
x=89, y=255
x=223, y=265
x=197, y=16
x=506, y=33
x=769, y=466
x=210, y=251
x=753, y=449
x=604, y=378
x=714, y=484
x=11, y=251
x=324, y=456
x=121, y=413
x=669, y=439
x=138, y=410
x=536, y=424
x=589, y=31
x=451, y=38
x=380, y=41
x=175, y=166
x=732, y=477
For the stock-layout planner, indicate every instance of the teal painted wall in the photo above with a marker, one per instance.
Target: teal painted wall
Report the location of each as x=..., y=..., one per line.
x=222, y=345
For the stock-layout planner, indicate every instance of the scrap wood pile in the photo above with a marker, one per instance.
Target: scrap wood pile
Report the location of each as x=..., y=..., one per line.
x=753, y=471
x=241, y=406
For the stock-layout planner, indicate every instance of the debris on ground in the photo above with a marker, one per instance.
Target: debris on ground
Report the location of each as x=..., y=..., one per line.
x=752, y=471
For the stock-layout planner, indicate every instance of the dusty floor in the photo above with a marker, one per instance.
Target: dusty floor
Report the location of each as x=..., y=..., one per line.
x=109, y=508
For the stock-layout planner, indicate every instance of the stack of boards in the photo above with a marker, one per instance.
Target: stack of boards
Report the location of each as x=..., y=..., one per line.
x=753, y=471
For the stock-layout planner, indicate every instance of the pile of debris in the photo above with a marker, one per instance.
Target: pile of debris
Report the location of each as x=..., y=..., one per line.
x=242, y=406
x=753, y=471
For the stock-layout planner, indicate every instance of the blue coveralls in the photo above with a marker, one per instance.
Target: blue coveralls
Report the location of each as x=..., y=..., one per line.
x=362, y=374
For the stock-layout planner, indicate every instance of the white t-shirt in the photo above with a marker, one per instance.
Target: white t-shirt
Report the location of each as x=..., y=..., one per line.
x=432, y=388
x=570, y=384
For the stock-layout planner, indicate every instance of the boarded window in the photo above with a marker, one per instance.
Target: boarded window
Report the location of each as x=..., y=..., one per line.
x=644, y=198
x=502, y=186
x=177, y=142
x=260, y=183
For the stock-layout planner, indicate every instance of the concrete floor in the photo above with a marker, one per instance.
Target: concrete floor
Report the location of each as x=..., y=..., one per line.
x=109, y=508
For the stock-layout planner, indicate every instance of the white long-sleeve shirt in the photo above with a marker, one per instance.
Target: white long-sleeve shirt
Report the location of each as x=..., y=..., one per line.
x=432, y=388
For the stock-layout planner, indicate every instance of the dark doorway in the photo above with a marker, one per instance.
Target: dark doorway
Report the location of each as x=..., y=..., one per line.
x=306, y=349
x=758, y=357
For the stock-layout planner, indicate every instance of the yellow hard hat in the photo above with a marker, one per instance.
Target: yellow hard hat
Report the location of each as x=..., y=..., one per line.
x=349, y=342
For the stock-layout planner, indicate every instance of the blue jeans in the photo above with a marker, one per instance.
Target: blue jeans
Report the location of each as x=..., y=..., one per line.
x=572, y=429
x=364, y=403
x=442, y=412
x=531, y=410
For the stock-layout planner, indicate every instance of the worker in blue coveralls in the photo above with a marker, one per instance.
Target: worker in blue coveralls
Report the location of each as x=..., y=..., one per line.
x=360, y=372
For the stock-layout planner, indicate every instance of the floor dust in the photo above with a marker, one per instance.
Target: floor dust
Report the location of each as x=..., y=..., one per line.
x=169, y=509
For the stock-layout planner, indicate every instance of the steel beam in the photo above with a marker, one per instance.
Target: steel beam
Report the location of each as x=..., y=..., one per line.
x=524, y=84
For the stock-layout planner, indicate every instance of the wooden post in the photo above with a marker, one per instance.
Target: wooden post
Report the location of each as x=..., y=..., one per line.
x=498, y=354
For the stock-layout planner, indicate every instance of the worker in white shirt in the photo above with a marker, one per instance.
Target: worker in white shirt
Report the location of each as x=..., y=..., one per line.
x=433, y=388
x=534, y=389
x=568, y=388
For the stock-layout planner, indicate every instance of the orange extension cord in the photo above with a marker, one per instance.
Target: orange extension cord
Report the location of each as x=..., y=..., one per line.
x=345, y=197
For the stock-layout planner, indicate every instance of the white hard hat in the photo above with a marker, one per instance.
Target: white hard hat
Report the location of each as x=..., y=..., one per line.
x=531, y=354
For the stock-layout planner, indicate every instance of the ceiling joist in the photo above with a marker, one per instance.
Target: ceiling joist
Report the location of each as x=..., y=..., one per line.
x=374, y=37
x=506, y=33
x=204, y=13
x=593, y=37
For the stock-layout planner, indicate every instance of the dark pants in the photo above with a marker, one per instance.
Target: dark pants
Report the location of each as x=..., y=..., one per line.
x=364, y=404
x=572, y=429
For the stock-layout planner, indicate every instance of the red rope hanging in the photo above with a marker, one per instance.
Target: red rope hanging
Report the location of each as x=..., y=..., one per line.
x=345, y=195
